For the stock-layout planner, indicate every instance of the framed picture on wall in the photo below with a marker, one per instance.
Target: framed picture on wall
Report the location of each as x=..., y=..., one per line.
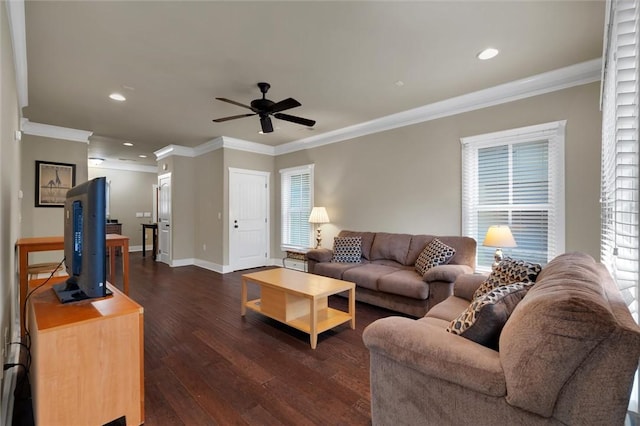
x=53, y=180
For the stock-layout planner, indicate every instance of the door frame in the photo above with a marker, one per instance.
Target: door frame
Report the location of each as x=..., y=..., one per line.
x=267, y=176
x=170, y=245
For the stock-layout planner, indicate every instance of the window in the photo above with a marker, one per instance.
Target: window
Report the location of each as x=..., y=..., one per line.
x=515, y=178
x=619, y=189
x=296, y=189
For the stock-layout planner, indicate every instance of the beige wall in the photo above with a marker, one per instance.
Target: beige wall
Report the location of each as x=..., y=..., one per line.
x=183, y=208
x=130, y=192
x=46, y=221
x=209, y=205
x=9, y=187
x=409, y=179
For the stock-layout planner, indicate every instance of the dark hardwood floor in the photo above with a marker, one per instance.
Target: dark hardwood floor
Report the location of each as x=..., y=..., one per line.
x=206, y=365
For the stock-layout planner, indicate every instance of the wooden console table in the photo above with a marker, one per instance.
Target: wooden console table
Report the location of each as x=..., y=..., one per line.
x=154, y=231
x=87, y=359
x=34, y=244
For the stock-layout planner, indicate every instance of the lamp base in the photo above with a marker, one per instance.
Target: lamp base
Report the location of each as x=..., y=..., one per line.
x=318, y=238
x=497, y=258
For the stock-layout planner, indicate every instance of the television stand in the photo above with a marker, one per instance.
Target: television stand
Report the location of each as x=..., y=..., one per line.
x=87, y=359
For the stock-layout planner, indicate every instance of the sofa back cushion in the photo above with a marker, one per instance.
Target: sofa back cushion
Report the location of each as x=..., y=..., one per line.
x=465, y=249
x=367, y=241
x=555, y=333
x=391, y=247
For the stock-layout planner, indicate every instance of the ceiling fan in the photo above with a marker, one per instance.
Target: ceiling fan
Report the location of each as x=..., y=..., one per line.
x=265, y=108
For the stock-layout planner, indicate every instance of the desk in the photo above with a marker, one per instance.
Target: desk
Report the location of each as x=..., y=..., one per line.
x=34, y=244
x=154, y=230
x=87, y=359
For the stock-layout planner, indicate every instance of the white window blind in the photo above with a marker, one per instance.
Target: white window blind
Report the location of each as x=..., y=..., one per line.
x=516, y=178
x=296, y=189
x=619, y=189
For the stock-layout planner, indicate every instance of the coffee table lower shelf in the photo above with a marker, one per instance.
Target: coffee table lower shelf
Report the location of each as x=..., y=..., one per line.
x=327, y=318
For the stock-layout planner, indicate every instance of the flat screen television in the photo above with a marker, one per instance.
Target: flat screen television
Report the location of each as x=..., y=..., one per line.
x=85, y=242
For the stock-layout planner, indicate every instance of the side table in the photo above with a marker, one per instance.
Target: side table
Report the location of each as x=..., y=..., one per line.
x=295, y=255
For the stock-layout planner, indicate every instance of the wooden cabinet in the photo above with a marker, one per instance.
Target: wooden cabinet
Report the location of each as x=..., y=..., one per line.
x=114, y=228
x=87, y=360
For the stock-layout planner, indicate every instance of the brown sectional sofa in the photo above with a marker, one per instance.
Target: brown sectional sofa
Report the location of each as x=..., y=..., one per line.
x=567, y=356
x=386, y=274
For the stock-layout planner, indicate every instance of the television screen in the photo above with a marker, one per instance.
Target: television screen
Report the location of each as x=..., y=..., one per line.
x=85, y=242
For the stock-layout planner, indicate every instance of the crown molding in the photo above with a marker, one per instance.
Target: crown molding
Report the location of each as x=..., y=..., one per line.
x=17, y=27
x=563, y=78
x=214, y=144
x=171, y=150
x=55, y=132
x=243, y=145
x=122, y=165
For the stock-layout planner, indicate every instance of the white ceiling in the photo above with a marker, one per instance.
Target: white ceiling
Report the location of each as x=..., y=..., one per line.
x=341, y=60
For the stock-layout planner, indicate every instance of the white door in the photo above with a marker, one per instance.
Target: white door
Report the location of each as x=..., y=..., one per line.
x=248, y=218
x=164, y=218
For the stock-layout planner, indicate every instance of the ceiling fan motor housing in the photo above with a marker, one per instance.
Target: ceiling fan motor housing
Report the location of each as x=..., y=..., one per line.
x=261, y=104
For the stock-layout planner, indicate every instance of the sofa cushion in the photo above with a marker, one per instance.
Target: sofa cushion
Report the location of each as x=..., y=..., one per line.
x=435, y=253
x=485, y=317
x=449, y=309
x=390, y=246
x=367, y=240
x=333, y=270
x=405, y=283
x=347, y=249
x=367, y=275
x=509, y=271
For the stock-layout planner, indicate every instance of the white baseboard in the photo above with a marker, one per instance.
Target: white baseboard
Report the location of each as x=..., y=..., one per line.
x=133, y=249
x=216, y=267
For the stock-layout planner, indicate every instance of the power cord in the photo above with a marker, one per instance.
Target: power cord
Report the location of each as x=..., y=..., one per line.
x=24, y=306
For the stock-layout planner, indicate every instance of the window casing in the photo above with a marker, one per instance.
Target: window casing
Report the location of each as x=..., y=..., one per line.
x=296, y=193
x=515, y=178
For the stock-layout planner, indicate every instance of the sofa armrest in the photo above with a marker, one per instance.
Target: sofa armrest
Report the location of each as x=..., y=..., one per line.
x=430, y=350
x=320, y=255
x=446, y=273
x=467, y=284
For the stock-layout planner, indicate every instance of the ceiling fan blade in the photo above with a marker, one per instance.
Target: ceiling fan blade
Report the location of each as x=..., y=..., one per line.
x=233, y=117
x=235, y=103
x=282, y=105
x=294, y=119
x=265, y=122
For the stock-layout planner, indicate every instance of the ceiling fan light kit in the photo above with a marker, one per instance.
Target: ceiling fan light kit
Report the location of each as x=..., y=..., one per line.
x=265, y=108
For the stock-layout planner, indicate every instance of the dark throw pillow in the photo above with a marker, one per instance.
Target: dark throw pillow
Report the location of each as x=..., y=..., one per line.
x=509, y=271
x=347, y=249
x=485, y=317
x=434, y=254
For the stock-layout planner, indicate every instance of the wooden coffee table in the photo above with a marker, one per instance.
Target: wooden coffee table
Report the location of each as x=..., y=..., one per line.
x=299, y=300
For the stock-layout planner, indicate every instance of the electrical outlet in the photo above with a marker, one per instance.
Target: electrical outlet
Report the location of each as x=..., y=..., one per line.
x=204, y=247
x=138, y=214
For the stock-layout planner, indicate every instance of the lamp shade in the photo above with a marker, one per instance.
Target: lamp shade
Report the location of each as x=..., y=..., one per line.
x=499, y=236
x=319, y=215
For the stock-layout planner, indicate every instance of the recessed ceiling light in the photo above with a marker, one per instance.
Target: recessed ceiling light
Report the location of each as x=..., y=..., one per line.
x=117, y=97
x=95, y=161
x=142, y=156
x=127, y=144
x=487, y=53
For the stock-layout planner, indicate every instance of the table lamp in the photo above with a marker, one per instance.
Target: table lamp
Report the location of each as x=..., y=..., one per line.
x=498, y=236
x=318, y=216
